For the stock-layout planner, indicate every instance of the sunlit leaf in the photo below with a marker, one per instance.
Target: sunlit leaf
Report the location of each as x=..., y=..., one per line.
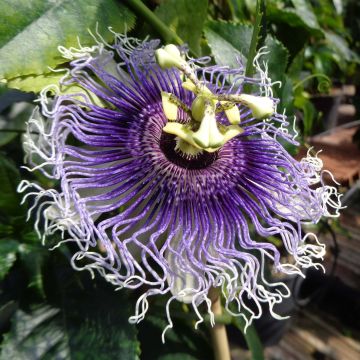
x=31, y=31
x=36, y=83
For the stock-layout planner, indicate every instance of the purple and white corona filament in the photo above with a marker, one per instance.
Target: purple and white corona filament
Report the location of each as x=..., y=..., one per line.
x=163, y=166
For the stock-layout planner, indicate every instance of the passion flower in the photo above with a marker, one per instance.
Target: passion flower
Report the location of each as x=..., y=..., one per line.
x=170, y=176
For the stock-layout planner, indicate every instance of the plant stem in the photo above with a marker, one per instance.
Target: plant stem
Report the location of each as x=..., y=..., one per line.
x=218, y=331
x=143, y=11
x=251, y=337
x=249, y=71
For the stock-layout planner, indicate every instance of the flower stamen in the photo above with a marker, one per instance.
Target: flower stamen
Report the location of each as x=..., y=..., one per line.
x=207, y=136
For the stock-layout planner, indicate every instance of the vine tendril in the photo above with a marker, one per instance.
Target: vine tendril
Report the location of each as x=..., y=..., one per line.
x=323, y=86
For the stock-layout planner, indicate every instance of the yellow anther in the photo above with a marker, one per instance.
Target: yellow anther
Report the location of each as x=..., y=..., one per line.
x=170, y=107
x=181, y=131
x=232, y=113
x=189, y=85
x=232, y=131
x=260, y=106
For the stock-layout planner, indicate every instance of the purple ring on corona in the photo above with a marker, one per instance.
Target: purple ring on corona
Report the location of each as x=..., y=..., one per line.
x=143, y=208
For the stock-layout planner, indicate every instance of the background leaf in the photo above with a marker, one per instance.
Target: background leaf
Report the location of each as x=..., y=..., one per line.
x=276, y=58
x=228, y=42
x=33, y=335
x=300, y=16
x=9, y=180
x=8, y=249
x=181, y=342
x=31, y=31
x=186, y=18
x=14, y=119
x=304, y=10
x=67, y=332
x=339, y=45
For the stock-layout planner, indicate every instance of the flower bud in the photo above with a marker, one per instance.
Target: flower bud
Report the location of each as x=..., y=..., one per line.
x=169, y=57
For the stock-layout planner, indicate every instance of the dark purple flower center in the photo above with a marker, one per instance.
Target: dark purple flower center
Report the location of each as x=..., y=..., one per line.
x=200, y=161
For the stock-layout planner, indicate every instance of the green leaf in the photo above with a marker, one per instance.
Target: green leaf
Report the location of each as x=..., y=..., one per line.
x=36, y=83
x=7, y=310
x=296, y=66
x=237, y=9
x=302, y=16
x=305, y=11
x=303, y=103
x=33, y=335
x=33, y=258
x=286, y=95
x=276, y=58
x=5, y=230
x=186, y=18
x=3, y=88
x=14, y=120
x=340, y=46
x=72, y=333
x=8, y=249
x=228, y=42
x=181, y=339
x=255, y=37
x=9, y=180
x=32, y=30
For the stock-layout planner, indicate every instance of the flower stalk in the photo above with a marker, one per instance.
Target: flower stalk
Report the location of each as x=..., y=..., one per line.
x=141, y=9
x=219, y=337
x=250, y=69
